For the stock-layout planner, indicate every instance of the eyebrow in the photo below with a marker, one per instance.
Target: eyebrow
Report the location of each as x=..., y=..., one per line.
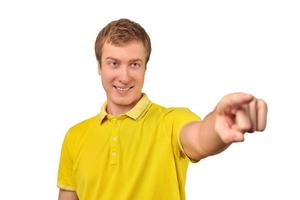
x=131, y=60
x=110, y=58
x=135, y=60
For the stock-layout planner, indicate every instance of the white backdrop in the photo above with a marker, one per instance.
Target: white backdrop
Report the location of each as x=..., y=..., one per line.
x=201, y=51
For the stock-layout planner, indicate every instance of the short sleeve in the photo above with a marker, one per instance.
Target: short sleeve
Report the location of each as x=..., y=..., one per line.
x=65, y=179
x=179, y=118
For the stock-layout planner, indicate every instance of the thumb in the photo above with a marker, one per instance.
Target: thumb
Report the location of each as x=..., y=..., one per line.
x=228, y=132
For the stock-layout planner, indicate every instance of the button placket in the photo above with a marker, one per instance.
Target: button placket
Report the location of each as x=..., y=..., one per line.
x=115, y=153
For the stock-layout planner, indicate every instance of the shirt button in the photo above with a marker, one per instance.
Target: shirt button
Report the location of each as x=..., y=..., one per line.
x=114, y=138
x=114, y=153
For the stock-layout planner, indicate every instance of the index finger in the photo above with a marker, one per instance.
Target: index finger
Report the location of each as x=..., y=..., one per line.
x=231, y=102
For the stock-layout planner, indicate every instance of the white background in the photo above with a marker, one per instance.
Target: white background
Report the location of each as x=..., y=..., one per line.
x=201, y=51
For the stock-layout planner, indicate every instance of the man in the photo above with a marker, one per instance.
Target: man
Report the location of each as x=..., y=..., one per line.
x=134, y=148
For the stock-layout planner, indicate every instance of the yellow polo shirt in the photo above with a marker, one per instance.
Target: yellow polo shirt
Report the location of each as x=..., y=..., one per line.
x=133, y=156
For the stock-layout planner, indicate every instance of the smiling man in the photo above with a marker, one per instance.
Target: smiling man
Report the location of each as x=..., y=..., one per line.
x=135, y=148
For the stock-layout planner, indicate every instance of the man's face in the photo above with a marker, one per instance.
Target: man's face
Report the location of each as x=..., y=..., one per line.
x=122, y=73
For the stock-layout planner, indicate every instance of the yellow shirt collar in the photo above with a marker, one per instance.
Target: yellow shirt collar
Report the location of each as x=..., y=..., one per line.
x=134, y=113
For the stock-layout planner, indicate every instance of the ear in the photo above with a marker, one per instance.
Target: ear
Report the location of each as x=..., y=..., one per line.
x=99, y=69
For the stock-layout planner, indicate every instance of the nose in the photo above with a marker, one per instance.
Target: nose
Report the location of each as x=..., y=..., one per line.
x=124, y=75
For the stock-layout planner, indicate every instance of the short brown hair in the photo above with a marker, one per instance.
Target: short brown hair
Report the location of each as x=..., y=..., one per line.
x=120, y=32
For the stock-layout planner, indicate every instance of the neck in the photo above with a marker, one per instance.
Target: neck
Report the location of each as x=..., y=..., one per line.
x=117, y=110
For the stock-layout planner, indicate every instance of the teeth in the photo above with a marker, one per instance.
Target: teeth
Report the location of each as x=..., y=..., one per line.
x=123, y=89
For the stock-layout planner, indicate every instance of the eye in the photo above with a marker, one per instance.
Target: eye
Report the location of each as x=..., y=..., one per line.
x=112, y=63
x=135, y=65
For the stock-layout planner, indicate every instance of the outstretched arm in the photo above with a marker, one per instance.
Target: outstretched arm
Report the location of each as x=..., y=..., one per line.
x=233, y=116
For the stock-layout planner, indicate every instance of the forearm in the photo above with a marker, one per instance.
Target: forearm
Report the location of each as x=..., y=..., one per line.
x=210, y=142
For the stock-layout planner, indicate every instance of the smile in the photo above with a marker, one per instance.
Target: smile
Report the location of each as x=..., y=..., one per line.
x=123, y=89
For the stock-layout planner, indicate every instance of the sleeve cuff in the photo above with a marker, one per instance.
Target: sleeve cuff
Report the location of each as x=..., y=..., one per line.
x=66, y=187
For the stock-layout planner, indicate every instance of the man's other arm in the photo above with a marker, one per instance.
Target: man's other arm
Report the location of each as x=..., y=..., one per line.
x=67, y=195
